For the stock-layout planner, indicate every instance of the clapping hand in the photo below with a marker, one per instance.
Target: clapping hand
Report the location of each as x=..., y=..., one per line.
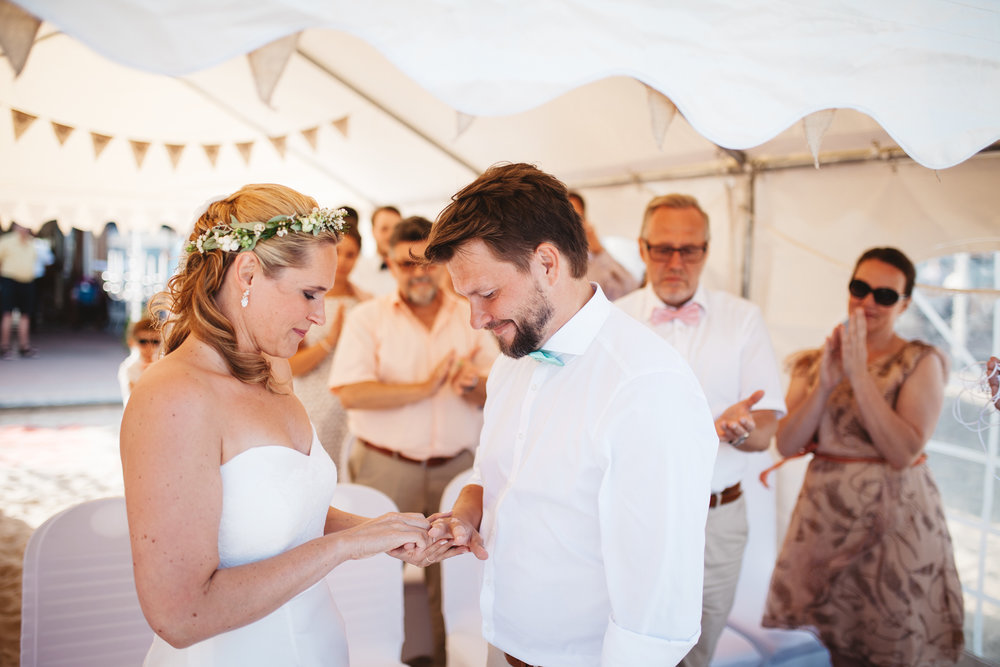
x=464, y=374
x=854, y=346
x=831, y=370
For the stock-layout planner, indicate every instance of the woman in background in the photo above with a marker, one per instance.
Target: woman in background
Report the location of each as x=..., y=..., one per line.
x=311, y=363
x=867, y=560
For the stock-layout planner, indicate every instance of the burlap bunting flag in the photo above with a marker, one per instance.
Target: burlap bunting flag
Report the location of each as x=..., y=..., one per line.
x=268, y=62
x=62, y=132
x=22, y=121
x=139, y=149
x=245, y=147
x=279, y=144
x=17, y=34
x=174, y=152
x=311, y=136
x=211, y=152
x=341, y=125
x=100, y=143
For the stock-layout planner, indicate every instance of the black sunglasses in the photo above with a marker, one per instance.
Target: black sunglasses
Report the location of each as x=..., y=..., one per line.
x=883, y=296
x=148, y=341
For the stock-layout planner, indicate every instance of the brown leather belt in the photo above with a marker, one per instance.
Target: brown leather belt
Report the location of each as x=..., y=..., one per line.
x=432, y=462
x=514, y=662
x=726, y=496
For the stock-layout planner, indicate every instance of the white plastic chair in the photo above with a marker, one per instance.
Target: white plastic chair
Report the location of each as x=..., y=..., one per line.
x=344, y=460
x=79, y=605
x=461, y=581
x=369, y=592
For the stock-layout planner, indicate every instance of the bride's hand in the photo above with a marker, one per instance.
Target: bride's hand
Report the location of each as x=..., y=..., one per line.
x=387, y=533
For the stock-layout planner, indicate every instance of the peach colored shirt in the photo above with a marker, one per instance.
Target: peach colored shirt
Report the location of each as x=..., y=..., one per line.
x=383, y=341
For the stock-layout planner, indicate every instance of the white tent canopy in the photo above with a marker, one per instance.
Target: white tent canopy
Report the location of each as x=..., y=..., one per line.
x=390, y=86
x=405, y=102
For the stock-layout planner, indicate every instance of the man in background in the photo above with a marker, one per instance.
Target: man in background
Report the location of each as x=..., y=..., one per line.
x=17, y=289
x=725, y=341
x=602, y=268
x=372, y=274
x=411, y=373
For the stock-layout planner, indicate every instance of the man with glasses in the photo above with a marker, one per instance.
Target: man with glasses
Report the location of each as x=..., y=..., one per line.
x=411, y=373
x=724, y=339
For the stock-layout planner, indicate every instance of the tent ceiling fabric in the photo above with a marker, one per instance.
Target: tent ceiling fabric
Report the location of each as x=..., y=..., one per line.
x=741, y=71
x=374, y=105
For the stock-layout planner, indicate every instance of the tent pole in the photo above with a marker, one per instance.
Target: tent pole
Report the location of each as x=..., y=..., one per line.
x=748, y=231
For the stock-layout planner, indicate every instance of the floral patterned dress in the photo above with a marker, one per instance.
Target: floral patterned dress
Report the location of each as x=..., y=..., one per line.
x=867, y=562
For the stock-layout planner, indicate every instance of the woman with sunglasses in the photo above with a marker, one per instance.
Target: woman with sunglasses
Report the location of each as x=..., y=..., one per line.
x=867, y=561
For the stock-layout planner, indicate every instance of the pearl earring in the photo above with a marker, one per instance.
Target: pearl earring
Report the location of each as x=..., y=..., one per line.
x=246, y=298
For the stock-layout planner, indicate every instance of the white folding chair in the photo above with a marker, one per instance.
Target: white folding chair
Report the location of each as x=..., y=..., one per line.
x=369, y=592
x=461, y=581
x=79, y=605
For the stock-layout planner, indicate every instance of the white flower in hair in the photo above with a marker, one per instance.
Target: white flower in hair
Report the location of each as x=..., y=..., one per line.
x=236, y=236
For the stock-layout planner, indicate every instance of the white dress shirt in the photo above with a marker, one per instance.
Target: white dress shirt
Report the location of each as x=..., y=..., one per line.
x=594, y=476
x=729, y=351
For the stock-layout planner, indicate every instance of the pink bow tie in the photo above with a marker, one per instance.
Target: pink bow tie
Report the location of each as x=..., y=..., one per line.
x=689, y=314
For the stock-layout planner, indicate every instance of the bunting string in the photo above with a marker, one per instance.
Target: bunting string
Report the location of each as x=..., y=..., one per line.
x=22, y=120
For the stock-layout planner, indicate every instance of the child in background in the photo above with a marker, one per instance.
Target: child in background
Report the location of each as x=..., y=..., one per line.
x=144, y=342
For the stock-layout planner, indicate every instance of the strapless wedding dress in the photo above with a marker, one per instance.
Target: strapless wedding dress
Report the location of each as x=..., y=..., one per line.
x=273, y=499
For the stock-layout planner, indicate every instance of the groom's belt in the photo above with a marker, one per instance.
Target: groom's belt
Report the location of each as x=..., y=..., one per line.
x=432, y=462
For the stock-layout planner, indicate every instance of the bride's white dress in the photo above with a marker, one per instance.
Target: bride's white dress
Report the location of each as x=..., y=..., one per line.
x=273, y=499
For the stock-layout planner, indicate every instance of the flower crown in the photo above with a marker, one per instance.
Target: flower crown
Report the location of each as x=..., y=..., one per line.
x=237, y=236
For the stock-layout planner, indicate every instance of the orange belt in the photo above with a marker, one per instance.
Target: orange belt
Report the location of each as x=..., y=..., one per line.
x=811, y=449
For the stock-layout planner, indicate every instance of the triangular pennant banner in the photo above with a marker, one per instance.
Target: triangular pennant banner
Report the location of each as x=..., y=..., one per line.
x=341, y=125
x=268, y=62
x=279, y=144
x=100, y=143
x=462, y=123
x=21, y=122
x=815, y=126
x=62, y=132
x=174, y=152
x=661, y=113
x=139, y=149
x=245, y=147
x=311, y=134
x=17, y=34
x=211, y=152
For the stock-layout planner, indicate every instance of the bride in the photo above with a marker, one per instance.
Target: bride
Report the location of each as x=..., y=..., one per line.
x=227, y=486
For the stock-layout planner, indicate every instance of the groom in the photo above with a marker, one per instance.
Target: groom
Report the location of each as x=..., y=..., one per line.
x=596, y=441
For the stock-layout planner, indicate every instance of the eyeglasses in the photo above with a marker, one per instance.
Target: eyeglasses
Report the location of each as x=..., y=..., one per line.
x=883, y=296
x=408, y=265
x=148, y=341
x=690, y=254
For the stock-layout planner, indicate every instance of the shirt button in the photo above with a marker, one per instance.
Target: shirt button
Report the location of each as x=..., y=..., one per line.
x=520, y=436
x=534, y=387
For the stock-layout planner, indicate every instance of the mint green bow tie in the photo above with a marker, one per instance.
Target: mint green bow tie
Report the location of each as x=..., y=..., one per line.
x=546, y=357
